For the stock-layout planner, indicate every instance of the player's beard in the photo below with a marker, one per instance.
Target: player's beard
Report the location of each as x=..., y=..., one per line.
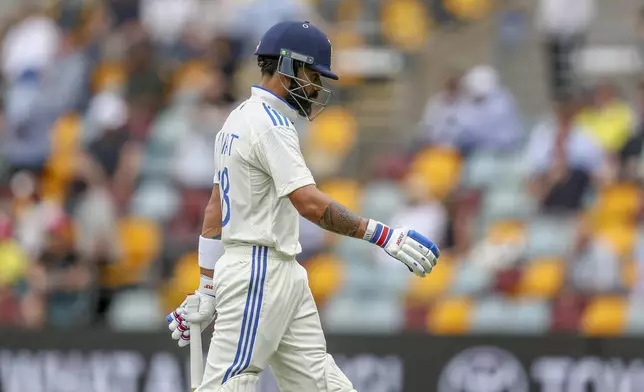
x=296, y=99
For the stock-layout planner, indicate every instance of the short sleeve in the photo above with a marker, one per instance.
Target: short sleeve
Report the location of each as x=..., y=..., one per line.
x=278, y=153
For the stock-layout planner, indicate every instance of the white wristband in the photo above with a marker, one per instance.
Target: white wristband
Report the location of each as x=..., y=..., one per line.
x=210, y=251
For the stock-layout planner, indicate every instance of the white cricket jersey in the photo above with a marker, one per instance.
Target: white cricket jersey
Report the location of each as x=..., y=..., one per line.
x=258, y=164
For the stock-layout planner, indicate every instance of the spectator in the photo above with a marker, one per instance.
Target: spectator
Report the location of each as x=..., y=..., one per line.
x=489, y=119
x=62, y=278
x=145, y=88
x=631, y=153
x=28, y=49
x=12, y=271
x=609, y=119
x=563, y=161
x=194, y=166
x=564, y=25
x=112, y=159
x=441, y=118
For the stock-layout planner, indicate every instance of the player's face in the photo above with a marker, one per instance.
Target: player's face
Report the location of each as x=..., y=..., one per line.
x=305, y=91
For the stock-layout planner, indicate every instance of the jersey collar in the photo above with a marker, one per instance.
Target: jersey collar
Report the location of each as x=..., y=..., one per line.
x=276, y=102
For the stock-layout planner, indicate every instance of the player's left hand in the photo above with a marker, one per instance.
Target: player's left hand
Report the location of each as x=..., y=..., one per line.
x=179, y=320
x=414, y=250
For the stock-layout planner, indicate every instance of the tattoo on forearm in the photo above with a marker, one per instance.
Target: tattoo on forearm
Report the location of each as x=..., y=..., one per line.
x=340, y=220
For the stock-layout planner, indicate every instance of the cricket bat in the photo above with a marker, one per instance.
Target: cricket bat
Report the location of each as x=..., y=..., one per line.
x=196, y=348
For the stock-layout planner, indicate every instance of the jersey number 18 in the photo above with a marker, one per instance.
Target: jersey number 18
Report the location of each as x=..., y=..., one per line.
x=224, y=184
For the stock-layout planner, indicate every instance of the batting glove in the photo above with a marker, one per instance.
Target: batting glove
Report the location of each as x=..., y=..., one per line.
x=179, y=320
x=413, y=249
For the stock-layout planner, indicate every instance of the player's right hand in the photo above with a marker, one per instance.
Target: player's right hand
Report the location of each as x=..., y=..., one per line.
x=179, y=320
x=413, y=249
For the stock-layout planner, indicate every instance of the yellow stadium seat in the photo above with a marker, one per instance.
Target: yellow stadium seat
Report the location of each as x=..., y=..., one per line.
x=437, y=283
x=616, y=203
x=184, y=280
x=344, y=191
x=191, y=75
x=506, y=231
x=604, y=316
x=405, y=24
x=441, y=168
x=334, y=132
x=140, y=241
x=451, y=316
x=543, y=278
x=620, y=237
x=325, y=276
x=468, y=9
x=108, y=75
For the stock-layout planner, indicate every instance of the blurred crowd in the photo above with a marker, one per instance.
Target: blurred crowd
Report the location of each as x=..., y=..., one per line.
x=109, y=115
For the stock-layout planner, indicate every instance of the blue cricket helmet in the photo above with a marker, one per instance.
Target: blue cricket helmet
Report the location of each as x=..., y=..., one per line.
x=301, y=41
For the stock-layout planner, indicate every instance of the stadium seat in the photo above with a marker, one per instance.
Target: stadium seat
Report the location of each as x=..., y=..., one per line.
x=506, y=231
x=380, y=315
x=596, y=270
x=484, y=169
x=567, y=311
x=441, y=168
x=468, y=9
x=381, y=199
x=335, y=132
x=351, y=251
x=450, y=316
x=604, y=316
x=542, y=278
x=136, y=310
x=500, y=315
x=434, y=285
x=550, y=236
x=619, y=236
x=192, y=75
x=405, y=24
x=344, y=191
x=325, y=276
x=617, y=203
x=635, y=317
x=155, y=200
x=186, y=273
x=108, y=76
x=140, y=241
x=507, y=203
x=471, y=279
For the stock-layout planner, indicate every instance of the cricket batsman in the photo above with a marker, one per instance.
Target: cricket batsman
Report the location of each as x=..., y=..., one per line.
x=250, y=281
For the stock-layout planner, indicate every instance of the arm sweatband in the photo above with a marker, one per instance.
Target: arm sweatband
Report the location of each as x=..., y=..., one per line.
x=210, y=250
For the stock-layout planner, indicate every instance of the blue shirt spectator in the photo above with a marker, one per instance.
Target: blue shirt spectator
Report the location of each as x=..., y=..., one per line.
x=489, y=120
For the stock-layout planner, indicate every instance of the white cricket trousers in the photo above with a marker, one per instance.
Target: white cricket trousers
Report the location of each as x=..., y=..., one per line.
x=267, y=316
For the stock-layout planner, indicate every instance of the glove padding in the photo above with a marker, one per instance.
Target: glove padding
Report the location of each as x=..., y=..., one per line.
x=415, y=250
x=179, y=320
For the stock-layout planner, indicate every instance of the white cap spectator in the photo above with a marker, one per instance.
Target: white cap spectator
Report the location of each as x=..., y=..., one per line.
x=481, y=81
x=31, y=45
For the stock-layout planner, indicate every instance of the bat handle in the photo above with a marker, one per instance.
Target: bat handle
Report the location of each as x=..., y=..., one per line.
x=196, y=348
